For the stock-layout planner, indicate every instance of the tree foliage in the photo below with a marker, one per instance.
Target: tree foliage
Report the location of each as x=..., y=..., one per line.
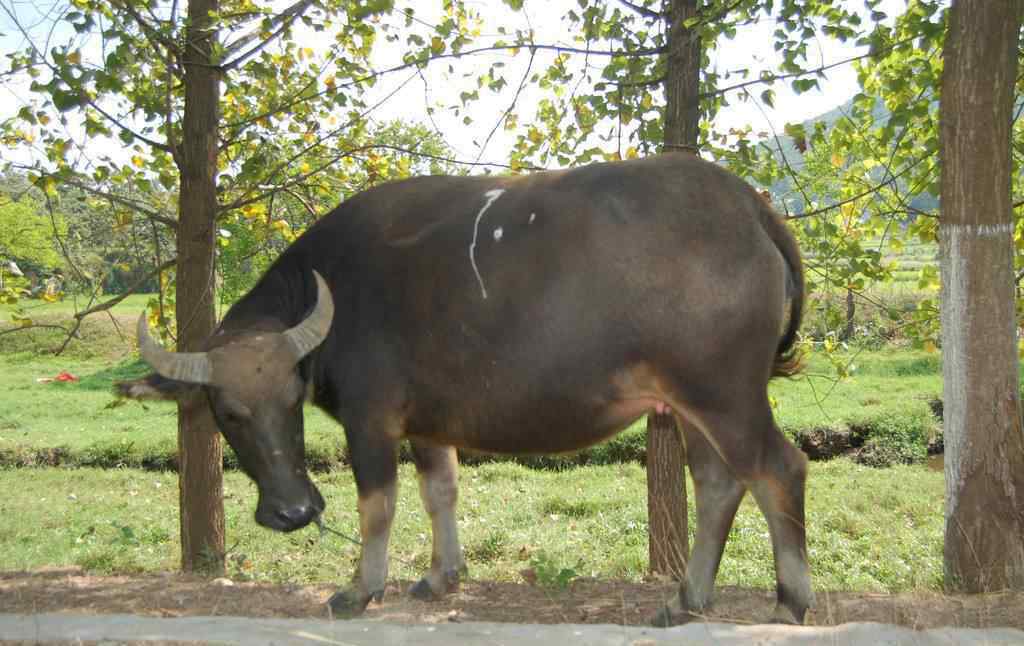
x=300, y=87
x=295, y=132
x=27, y=235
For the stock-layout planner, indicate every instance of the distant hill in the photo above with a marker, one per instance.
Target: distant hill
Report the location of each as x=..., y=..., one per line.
x=783, y=190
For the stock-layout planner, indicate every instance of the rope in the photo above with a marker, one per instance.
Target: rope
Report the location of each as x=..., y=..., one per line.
x=324, y=529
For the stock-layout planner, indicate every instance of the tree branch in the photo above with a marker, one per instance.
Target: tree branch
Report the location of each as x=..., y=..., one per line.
x=117, y=199
x=354, y=151
x=238, y=127
x=301, y=200
x=426, y=60
x=721, y=13
x=34, y=325
x=242, y=201
x=643, y=11
x=771, y=78
x=106, y=305
x=873, y=189
x=155, y=38
x=146, y=140
x=282, y=22
x=511, y=106
x=642, y=83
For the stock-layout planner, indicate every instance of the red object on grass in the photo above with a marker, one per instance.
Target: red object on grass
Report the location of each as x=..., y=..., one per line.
x=65, y=376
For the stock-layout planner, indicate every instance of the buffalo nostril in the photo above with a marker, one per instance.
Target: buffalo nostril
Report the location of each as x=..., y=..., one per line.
x=296, y=517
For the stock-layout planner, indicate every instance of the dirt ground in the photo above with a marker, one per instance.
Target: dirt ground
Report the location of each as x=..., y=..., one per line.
x=584, y=601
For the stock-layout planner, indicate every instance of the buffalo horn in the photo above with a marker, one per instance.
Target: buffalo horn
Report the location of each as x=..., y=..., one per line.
x=311, y=332
x=190, y=367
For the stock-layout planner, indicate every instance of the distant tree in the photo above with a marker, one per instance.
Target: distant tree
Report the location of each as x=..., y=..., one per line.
x=27, y=234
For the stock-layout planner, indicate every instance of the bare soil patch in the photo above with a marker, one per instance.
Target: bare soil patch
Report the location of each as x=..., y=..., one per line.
x=584, y=601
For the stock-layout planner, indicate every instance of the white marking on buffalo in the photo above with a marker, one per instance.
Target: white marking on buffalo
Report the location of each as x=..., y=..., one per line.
x=491, y=195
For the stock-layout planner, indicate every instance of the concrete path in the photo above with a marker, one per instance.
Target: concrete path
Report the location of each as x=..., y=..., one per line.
x=255, y=632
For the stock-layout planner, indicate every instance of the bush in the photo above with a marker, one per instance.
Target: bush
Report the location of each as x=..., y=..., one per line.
x=900, y=438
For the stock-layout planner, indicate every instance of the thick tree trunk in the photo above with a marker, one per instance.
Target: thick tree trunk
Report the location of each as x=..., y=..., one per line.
x=199, y=448
x=669, y=544
x=984, y=441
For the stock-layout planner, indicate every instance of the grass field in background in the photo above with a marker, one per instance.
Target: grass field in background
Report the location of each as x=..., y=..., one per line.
x=868, y=529
x=889, y=390
x=80, y=423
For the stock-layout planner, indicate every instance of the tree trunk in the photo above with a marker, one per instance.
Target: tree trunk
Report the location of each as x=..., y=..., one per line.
x=984, y=441
x=669, y=544
x=682, y=78
x=851, y=312
x=199, y=448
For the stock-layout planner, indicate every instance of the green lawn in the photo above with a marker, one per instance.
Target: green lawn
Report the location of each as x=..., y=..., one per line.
x=888, y=389
x=893, y=381
x=82, y=417
x=869, y=529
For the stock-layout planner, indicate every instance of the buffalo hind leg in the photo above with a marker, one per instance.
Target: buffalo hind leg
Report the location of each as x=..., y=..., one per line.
x=780, y=495
x=775, y=471
x=437, y=468
x=375, y=465
x=752, y=448
x=718, y=494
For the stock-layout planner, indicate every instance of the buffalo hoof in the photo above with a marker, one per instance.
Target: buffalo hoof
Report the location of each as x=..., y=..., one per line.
x=667, y=617
x=787, y=616
x=424, y=591
x=350, y=603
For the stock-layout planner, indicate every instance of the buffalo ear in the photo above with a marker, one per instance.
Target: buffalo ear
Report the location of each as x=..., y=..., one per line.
x=154, y=386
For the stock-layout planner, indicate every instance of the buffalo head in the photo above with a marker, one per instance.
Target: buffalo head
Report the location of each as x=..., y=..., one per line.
x=253, y=385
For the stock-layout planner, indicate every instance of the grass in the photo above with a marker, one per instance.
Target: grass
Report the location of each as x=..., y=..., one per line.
x=79, y=424
x=886, y=403
x=105, y=335
x=868, y=529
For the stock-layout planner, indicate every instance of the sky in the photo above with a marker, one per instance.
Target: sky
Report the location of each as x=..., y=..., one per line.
x=751, y=49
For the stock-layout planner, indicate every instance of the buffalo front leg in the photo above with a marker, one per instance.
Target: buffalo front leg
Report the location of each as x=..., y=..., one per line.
x=437, y=468
x=375, y=465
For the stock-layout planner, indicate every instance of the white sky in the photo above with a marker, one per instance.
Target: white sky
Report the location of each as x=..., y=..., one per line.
x=752, y=49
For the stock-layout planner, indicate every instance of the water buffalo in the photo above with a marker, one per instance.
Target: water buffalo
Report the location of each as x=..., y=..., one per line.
x=531, y=314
